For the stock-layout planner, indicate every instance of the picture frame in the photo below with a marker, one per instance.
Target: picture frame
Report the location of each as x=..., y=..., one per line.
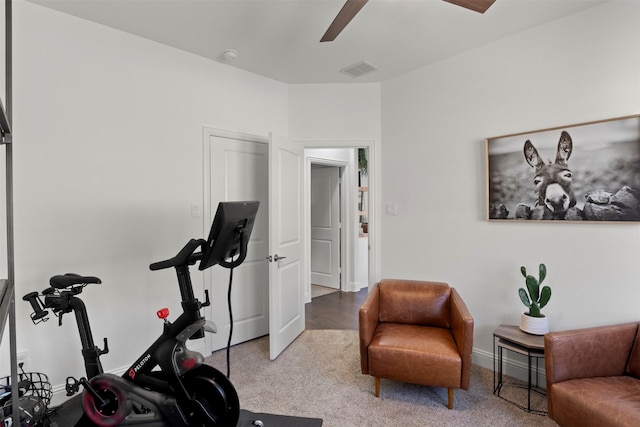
x=582, y=172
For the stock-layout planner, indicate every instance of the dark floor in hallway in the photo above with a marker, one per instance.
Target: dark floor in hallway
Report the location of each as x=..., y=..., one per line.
x=338, y=310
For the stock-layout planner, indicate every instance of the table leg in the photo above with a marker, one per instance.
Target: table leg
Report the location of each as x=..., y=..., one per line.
x=500, y=363
x=529, y=385
x=494, y=364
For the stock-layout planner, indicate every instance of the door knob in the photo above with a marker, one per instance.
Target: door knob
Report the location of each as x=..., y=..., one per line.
x=278, y=258
x=269, y=258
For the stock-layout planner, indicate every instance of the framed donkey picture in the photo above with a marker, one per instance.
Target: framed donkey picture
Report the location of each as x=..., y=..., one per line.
x=583, y=172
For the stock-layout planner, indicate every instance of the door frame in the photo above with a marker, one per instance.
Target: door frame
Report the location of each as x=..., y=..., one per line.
x=343, y=170
x=207, y=212
x=374, y=206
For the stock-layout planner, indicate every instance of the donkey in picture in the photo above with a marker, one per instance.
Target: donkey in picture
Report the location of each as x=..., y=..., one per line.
x=552, y=182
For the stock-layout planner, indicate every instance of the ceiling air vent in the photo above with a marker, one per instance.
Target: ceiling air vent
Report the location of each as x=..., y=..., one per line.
x=359, y=69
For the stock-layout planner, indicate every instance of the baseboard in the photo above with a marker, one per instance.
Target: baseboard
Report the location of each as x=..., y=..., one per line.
x=353, y=287
x=514, y=365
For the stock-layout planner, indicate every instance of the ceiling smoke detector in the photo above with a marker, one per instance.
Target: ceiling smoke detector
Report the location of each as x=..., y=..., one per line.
x=230, y=54
x=359, y=69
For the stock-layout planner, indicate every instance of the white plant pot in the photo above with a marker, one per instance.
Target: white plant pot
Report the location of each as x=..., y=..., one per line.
x=534, y=325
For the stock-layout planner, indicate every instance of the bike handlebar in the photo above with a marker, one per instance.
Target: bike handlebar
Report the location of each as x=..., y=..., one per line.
x=186, y=256
x=242, y=254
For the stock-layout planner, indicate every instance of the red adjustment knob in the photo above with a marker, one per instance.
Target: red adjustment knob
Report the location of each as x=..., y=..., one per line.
x=163, y=313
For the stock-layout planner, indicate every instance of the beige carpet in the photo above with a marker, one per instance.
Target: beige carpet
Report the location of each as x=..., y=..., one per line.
x=319, y=376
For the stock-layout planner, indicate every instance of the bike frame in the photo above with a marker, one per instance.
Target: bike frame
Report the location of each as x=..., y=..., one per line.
x=168, y=385
x=66, y=302
x=169, y=350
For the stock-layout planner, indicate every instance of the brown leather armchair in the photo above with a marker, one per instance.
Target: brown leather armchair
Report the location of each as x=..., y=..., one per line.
x=593, y=376
x=416, y=332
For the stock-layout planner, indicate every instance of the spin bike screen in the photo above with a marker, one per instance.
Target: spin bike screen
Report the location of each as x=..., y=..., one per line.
x=229, y=235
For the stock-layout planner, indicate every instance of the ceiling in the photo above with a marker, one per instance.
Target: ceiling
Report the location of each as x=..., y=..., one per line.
x=279, y=39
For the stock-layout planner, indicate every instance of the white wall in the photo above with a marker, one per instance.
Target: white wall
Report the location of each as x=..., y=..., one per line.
x=108, y=161
x=576, y=69
x=334, y=111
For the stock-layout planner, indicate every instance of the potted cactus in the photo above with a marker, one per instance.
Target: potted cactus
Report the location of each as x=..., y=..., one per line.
x=534, y=322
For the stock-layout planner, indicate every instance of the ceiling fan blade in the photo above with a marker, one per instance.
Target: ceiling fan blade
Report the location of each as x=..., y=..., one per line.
x=346, y=14
x=479, y=6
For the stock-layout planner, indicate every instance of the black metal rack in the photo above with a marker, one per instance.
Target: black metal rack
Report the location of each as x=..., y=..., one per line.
x=7, y=286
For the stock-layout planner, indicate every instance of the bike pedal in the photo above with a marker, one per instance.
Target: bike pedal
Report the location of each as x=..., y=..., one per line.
x=72, y=386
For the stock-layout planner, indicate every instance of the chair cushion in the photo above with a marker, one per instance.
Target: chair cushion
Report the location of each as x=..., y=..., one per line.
x=633, y=365
x=415, y=354
x=596, y=402
x=415, y=302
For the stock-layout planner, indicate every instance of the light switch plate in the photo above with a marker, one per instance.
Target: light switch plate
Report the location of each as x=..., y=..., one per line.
x=391, y=208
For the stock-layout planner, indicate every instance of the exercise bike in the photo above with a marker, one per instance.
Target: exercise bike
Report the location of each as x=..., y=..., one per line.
x=168, y=385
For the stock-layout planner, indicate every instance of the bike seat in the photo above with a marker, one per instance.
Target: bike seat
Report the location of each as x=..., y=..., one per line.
x=62, y=281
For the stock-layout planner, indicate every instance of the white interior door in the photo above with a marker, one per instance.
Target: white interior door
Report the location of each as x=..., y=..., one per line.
x=238, y=171
x=286, y=297
x=325, y=226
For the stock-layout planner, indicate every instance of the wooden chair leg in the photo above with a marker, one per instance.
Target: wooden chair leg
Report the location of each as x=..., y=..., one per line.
x=377, y=386
x=450, y=405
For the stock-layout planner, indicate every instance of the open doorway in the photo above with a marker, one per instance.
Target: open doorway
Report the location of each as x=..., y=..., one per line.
x=323, y=166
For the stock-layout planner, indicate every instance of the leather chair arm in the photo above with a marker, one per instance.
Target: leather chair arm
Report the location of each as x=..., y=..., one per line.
x=590, y=352
x=462, y=330
x=368, y=321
